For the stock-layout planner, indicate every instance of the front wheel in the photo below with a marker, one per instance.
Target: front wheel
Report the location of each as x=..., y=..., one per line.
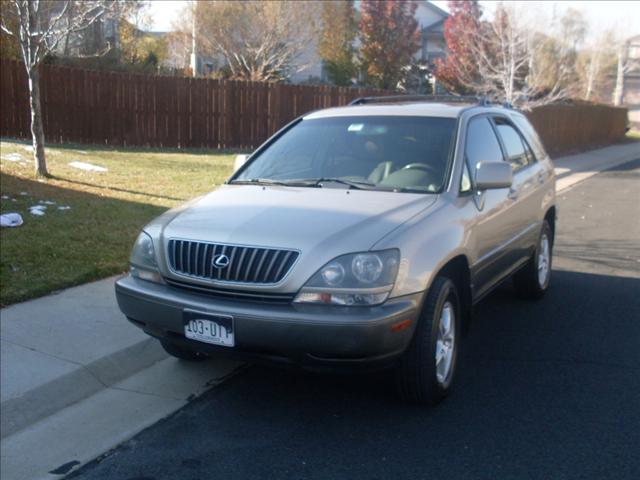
x=427, y=369
x=533, y=279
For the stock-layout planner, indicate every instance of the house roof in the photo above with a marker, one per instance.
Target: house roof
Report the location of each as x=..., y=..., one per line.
x=434, y=8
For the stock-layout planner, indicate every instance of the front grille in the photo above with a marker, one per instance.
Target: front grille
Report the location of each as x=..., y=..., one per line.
x=227, y=294
x=253, y=265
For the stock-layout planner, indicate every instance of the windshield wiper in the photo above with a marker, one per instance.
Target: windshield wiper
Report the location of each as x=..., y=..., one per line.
x=258, y=181
x=307, y=182
x=356, y=184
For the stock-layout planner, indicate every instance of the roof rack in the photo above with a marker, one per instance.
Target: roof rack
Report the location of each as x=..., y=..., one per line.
x=481, y=101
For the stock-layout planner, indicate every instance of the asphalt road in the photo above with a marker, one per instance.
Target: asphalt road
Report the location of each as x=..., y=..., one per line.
x=546, y=390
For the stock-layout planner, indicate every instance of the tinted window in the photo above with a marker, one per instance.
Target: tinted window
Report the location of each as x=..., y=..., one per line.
x=531, y=136
x=515, y=148
x=482, y=144
x=387, y=153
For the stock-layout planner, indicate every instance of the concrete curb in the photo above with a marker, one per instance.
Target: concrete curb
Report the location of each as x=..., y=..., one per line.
x=77, y=379
x=60, y=349
x=86, y=380
x=62, y=442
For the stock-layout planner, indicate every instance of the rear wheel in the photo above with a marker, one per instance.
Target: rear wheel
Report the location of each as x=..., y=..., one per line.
x=427, y=369
x=181, y=353
x=533, y=279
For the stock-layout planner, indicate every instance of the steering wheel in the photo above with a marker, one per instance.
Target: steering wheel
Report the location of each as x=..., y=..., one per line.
x=420, y=166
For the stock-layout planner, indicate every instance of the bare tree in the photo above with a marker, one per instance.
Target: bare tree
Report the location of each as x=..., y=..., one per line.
x=41, y=27
x=623, y=68
x=592, y=73
x=505, y=54
x=597, y=63
x=257, y=40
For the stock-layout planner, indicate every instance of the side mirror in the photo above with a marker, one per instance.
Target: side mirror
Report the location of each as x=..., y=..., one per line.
x=493, y=175
x=239, y=162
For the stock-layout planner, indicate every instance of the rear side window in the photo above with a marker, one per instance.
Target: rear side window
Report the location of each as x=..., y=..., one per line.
x=515, y=147
x=531, y=136
x=482, y=144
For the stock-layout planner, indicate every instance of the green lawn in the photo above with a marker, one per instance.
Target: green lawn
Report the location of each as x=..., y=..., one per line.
x=92, y=238
x=633, y=134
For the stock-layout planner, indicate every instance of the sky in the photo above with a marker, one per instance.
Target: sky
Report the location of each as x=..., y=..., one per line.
x=602, y=15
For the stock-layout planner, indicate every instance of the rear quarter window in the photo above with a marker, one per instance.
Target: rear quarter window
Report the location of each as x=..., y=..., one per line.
x=531, y=136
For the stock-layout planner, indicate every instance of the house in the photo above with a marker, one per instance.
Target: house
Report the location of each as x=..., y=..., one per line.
x=308, y=67
x=430, y=19
x=97, y=39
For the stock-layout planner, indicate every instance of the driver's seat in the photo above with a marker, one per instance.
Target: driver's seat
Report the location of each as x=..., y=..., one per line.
x=382, y=171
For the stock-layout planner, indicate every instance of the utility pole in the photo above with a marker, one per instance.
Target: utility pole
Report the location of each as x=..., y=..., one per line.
x=194, y=58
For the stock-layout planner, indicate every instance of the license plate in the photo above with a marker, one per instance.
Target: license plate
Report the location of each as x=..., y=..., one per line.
x=209, y=328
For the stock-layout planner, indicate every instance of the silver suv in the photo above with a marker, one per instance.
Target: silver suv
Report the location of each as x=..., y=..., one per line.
x=355, y=237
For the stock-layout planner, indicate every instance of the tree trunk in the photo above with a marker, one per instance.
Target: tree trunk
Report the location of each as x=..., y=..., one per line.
x=37, y=131
x=594, y=67
x=618, y=92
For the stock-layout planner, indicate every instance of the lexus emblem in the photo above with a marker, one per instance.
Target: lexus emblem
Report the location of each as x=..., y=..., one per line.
x=220, y=261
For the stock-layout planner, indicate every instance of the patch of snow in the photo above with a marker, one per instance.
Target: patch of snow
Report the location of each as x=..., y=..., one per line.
x=11, y=220
x=80, y=151
x=5, y=197
x=37, y=210
x=64, y=207
x=88, y=166
x=12, y=157
x=24, y=193
x=29, y=148
x=47, y=202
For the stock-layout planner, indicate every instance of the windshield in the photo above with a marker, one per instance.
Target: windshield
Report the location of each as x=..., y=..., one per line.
x=400, y=153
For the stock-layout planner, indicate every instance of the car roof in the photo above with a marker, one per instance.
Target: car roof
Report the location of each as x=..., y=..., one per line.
x=421, y=109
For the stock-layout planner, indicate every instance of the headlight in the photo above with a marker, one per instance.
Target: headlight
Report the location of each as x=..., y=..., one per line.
x=356, y=279
x=143, y=259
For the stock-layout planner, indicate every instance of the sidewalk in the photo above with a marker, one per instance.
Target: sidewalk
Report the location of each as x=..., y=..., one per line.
x=573, y=169
x=77, y=378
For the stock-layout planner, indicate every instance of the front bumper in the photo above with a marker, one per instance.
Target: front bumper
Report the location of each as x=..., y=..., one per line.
x=313, y=336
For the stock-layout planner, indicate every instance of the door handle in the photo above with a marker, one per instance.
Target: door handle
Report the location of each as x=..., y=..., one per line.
x=513, y=194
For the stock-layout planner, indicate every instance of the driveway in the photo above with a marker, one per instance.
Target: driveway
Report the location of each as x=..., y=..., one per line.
x=546, y=390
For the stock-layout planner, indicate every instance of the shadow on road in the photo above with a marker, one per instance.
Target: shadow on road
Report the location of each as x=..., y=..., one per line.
x=547, y=389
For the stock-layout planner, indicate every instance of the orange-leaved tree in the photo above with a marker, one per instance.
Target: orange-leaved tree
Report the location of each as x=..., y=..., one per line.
x=460, y=69
x=389, y=37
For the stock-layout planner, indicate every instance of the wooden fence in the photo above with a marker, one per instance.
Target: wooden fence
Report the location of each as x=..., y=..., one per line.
x=566, y=127
x=108, y=108
x=94, y=107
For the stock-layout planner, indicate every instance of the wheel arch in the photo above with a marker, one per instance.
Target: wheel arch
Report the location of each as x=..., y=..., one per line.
x=458, y=271
x=550, y=217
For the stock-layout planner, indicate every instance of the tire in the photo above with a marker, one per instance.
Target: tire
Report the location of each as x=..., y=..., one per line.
x=182, y=353
x=419, y=379
x=532, y=280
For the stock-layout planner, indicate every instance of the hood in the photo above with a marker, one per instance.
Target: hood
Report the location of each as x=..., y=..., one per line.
x=321, y=223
